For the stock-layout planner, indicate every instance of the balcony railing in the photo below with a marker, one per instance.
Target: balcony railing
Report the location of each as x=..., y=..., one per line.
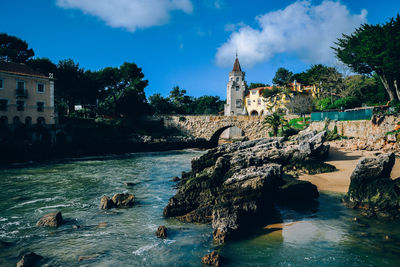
x=21, y=93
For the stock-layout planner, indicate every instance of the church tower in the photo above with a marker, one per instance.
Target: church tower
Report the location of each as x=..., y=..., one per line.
x=235, y=91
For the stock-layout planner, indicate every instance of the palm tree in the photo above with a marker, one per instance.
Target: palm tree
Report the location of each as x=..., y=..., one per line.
x=273, y=121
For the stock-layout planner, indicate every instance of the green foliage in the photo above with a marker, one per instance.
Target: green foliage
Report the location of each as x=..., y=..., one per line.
x=13, y=49
x=274, y=121
x=257, y=85
x=298, y=123
x=179, y=103
x=374, y=48
x=43, y=65
x=283, y=77
x=266, y=93
x=345, y=103
x=332, y=135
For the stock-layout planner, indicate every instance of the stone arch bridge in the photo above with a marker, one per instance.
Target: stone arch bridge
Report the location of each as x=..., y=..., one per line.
x=211, y=127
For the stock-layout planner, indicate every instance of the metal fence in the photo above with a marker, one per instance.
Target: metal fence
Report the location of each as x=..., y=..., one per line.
x=348, y=115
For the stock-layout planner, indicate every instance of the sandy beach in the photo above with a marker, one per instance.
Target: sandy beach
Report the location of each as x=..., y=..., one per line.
x=345, y=161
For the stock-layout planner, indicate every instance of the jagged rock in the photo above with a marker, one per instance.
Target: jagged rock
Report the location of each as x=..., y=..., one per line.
x=123, y=200
x=211, y=259
x=175, y=179
x=235, y=184
x=53, y=219
x=106, y=203
x=29, y=260
x=129, y=184
x=162, y=232
x=372, y=190
x=118, y=201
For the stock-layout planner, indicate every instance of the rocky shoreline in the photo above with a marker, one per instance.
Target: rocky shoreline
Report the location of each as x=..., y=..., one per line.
x=238, y=184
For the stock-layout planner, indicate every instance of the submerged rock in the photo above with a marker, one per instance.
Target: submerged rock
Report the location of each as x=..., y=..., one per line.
x=236, y=184
x=162, y=232
x=372, y=190
x=29, y=260
x=53, y=219
x=211, y=259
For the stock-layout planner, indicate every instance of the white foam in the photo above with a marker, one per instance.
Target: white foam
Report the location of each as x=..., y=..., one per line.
x=144, y=248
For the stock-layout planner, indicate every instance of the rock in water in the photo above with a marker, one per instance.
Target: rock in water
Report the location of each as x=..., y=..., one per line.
x=106, y=203
x=235, y=184
x=30, y=259
x=211, y=259
x=123, y=200
x=161, y=232
x=51, y=220
x=372, y=189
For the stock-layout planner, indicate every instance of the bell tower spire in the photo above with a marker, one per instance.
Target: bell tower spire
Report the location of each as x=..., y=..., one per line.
x=236, y=89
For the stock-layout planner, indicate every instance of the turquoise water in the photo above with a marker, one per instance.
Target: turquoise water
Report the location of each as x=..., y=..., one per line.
x=321, y=235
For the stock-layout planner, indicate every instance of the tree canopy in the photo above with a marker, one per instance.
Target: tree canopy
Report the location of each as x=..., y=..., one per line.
x=374, y=48
x=283, y=77
x=13, y=49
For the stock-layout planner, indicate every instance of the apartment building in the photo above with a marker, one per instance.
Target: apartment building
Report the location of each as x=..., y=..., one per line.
x=26, y=96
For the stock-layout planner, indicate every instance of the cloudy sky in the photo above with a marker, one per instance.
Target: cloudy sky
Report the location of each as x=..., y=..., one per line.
x=190, y=43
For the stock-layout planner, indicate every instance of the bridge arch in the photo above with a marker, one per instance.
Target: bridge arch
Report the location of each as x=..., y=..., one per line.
x=217, y=134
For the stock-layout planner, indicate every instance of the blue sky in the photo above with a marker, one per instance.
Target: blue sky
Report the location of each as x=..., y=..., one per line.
x=190, y=43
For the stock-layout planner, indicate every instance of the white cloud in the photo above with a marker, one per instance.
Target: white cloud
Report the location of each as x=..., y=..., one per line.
x=130, y=14
x=302, y=29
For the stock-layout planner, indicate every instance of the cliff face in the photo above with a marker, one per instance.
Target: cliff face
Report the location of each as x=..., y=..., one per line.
x=237, y=184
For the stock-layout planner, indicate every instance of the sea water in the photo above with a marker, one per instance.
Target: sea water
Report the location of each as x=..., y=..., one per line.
x=322, y=234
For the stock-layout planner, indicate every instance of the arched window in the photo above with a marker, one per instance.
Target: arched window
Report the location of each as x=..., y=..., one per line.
x=237, y=79
x=28, y=121
x=41, y=121
x=3, y=121
x=16, y=120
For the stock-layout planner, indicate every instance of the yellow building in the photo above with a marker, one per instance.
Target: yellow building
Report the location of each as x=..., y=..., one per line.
x=257, y=105
x=26, y=96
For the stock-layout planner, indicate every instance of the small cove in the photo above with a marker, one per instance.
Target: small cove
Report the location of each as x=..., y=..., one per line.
x=321, y=235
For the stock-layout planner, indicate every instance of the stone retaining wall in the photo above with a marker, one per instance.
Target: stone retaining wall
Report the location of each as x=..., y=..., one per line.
x=371, y=131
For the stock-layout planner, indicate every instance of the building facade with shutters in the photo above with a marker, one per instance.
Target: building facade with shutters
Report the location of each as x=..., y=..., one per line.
x=26, y=96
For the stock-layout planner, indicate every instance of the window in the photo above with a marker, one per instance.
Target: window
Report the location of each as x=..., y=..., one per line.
x=40, y=106
x=20, y=105
x=237, y=88
x=238, y=103
x=249, y=102
x=237, y=79
x=20, y=85
x=40, y=88
x=1, y=83
x=259, y=101
x=253, y=92
x=3, y=104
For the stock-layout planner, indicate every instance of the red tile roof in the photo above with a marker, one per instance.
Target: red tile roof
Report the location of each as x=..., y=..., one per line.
x=19, y=68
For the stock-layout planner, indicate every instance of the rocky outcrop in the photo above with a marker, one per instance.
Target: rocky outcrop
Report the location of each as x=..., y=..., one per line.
x=29, y=260
x=53, y=219
x=162, y=232
x=236, y=184
x=212, y=259
x=372, y=190
x=123, y=200
x=106, y=203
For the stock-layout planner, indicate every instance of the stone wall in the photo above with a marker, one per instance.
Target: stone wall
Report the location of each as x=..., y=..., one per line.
x=211, y=127
x=370, y=131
